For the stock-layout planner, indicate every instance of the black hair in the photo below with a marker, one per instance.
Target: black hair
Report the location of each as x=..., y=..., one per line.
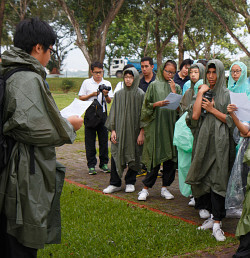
x=202, y=61
x=128, y=72
x=211, y=66
x=172, y=62
x=127, y=66
x=186, y=62
x=31, y=32
x=147, y=58
x=96, y=64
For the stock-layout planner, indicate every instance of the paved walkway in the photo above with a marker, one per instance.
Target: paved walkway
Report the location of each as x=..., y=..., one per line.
x=74, y=158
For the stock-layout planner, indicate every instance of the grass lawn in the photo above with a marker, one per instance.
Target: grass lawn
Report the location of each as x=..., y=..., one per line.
x=95, y=225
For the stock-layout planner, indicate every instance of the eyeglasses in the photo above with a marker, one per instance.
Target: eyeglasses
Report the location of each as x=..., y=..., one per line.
x=98, y=72
x=235, y=71
x=52, y=51
x=169, y=72
x=128, y=77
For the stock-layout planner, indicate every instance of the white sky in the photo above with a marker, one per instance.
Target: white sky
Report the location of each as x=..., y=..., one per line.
x=75, y=61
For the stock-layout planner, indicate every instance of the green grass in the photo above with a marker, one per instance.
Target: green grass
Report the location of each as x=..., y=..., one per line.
x=95, y=225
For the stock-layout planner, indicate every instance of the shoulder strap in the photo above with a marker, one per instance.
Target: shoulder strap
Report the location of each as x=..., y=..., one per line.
x=18, y=69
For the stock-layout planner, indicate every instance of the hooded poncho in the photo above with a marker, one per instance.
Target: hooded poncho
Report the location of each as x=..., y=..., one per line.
x=159, y=130
x=183, y=138
x=124, y=118
x=213, y=148
x=31, y=201
x=242, y=85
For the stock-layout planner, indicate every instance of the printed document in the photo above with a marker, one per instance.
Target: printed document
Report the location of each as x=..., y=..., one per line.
x=243, y=104
x=77, y=107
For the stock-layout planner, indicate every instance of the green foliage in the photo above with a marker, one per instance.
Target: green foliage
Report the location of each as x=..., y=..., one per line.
x=67, y=84
x=95, y=225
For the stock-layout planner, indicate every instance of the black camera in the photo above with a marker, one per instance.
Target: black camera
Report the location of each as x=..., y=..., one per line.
x=104, y=87
x=209, y=96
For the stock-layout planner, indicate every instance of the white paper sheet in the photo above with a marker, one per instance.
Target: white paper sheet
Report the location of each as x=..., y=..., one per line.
x=243, y=104
x=174, y=101
x=77, y=107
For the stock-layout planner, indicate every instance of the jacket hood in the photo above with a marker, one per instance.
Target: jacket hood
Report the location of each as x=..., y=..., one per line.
x=136, y=81
x=220, y=72
x=201, y=72
x=16, y=57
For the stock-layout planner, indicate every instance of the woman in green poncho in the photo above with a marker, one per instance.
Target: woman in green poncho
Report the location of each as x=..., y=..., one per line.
x=127, y=134
x=159, y=130
x=213, y=148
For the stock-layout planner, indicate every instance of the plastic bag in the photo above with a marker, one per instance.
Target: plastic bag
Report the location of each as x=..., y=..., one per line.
x=238, y=179
x=183, y=139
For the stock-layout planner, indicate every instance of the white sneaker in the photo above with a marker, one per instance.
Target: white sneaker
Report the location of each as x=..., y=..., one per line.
x=219, y=234
x=112, y=189
x=207, y=224
x=143, y=194
x=204, y=214
x=130, y=188
x=234, y=213
x=166, y=194
x=191, y=202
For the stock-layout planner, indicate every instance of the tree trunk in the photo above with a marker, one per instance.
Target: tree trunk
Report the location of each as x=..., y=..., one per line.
x=210, y=7
x=97, y=40
x=2, y=6
x=180, y=45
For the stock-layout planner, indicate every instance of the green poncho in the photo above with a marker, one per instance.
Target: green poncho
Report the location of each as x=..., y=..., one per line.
x=213, y=148
x=31, y=201
x=159, y=130
x=124, y=118
x=244, y=223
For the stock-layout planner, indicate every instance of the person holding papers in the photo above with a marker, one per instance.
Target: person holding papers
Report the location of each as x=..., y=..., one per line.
x=213, y=147
x=159, y=130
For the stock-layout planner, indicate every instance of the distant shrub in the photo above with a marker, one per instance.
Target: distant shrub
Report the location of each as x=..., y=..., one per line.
x=67, y=84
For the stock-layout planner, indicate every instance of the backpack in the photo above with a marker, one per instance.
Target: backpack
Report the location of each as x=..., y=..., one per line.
x=6, y=142
x=94, y=115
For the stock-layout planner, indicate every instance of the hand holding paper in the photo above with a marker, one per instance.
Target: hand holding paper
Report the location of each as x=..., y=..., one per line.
x=174, y=101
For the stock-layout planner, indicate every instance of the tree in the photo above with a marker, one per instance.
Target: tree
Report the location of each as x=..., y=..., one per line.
x=204, y=37
x=224, y=24
x=91, y=22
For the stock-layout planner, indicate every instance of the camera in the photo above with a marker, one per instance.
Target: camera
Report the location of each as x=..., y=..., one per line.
x=104, y=87
x=209, y=96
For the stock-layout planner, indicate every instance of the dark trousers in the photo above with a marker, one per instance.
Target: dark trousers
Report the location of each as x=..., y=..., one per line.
x=115, y=180
x=244, y=247
x=90, y=145
x=10, y=247
x=169, y=168
x=212, y=202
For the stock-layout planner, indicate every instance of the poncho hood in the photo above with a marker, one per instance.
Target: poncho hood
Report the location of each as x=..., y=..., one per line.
x=242, y=85
x=136, y=81
x=16, y=57
x=220, y=84
x=201, y=73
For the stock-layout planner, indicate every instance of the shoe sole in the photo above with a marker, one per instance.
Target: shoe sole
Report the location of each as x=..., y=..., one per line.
x=218, y=239
x=205, y=217
x=129, y=191
x=92, y=173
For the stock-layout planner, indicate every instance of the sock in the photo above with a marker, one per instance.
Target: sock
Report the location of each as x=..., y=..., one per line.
x=216, y=226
